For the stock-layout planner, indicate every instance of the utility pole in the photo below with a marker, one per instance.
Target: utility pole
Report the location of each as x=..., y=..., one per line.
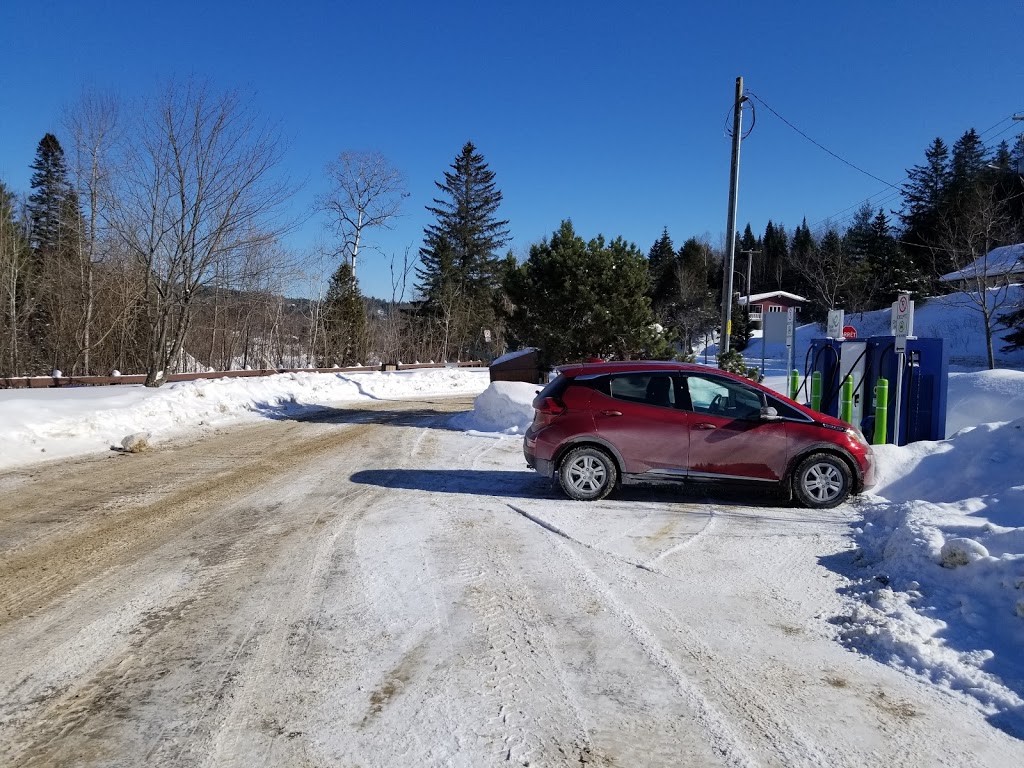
x=730, y=237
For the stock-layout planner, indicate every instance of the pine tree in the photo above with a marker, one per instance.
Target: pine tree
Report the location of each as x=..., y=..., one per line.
x=459, y=270
x=575, y=300
x=967, y=163
x=344, y=320
x=775, y=251
x=660, y=265
x=52, y=204
x=925, y=196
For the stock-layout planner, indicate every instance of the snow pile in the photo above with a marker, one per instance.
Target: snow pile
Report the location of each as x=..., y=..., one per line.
x=941, y=565
x=40, y=424
x=983, y=396
x=505, y=407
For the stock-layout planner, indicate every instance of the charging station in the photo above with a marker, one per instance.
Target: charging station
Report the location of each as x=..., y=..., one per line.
x=917, y=383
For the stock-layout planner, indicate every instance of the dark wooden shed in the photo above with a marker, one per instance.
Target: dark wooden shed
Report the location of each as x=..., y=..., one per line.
x=522, y=365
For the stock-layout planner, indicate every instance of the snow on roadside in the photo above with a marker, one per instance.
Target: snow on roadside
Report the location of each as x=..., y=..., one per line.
x=40, y=424
x=505, y=407
x=939, y=582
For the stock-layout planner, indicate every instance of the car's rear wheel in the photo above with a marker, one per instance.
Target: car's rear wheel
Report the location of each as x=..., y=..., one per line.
x=822, y=481
x=587, y=474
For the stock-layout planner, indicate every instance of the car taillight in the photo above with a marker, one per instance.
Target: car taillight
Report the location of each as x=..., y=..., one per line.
x=550, y=406
x=547, y=408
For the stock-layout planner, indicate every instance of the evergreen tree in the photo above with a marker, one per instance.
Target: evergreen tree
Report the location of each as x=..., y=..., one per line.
x=967, y=164
x=661, y=266
x=891, y=270
x=925, y=194
x=575, y=300
x=344, y=320
x=52, y=202
x=772, y=263
x=459, y=270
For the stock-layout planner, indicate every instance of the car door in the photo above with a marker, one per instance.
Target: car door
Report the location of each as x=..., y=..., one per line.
x=637, y=413
x=728, y=438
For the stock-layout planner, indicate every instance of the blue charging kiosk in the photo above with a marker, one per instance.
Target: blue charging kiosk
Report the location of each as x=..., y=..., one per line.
x=925, y=381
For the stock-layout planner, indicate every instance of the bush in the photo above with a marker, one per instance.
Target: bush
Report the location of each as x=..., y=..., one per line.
x=733, y=362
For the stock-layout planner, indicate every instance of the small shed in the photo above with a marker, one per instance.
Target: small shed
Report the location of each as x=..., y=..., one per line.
x=521, y=365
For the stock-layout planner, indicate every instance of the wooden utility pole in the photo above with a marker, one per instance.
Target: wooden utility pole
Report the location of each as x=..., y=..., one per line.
x=730, y=237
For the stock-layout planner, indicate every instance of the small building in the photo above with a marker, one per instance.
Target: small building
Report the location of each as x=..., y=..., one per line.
x=521, y=365
x=775, y=301
x=1000, y=266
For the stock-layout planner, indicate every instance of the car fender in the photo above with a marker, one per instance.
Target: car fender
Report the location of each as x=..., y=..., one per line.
x=826, y=447
x=591, y=439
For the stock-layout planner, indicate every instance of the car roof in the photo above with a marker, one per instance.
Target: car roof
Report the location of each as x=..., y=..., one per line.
x=630, y=366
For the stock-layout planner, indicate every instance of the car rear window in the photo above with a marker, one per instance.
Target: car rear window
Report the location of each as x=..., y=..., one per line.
x=647, y=388
x=555, y=387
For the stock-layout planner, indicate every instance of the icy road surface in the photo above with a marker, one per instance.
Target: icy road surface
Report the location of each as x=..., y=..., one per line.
x=368, y=587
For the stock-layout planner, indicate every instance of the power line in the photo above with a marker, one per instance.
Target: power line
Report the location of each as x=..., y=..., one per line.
x=815, y=143
x=890, y=196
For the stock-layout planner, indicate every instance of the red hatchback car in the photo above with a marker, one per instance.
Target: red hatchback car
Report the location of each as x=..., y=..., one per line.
x=598, y=425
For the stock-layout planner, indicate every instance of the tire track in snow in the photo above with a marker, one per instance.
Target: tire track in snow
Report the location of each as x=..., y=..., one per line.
x=792, y=745
x=721, y=736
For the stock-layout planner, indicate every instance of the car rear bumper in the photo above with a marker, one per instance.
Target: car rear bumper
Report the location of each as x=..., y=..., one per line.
x=542, y=466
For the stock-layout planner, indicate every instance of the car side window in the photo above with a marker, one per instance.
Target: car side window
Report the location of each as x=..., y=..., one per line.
x=719, y=397
x=647, y=388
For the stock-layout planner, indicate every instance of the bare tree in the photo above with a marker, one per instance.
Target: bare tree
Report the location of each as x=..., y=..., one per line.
x=197, y=190
x=94, y=125
x=15, y=264
x=366, y=193
x=965, y=235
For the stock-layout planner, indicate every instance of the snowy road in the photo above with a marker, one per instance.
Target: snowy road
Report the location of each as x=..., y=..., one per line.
x=367, y=587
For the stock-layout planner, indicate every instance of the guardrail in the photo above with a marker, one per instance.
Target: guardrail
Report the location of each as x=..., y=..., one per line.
x=43, y=382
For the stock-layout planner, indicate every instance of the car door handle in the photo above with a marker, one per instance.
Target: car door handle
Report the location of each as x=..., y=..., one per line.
x=704, y=425
x=611, y=413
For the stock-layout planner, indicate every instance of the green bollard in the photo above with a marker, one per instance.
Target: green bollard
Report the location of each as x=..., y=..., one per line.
x=794, y=383
x=816, y=390
x=846, y=406
x=881, y=412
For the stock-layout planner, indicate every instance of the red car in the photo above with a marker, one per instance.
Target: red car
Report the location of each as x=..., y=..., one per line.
x=599, y=425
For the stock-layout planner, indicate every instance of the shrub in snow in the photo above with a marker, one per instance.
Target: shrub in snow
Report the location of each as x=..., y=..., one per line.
x=957, y=552
x=137, y=443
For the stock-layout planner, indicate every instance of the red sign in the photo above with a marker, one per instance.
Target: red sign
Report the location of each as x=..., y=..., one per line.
x=849, y=332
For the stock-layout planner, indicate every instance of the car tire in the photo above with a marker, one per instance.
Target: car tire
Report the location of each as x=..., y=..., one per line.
x=587, y=474
x=822, y=481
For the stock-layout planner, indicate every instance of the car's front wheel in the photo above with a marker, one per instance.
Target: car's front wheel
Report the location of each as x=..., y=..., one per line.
x=587, y=474
x=822, y=481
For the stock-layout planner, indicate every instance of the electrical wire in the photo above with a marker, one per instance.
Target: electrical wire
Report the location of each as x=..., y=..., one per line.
x=989, y=145
x=820, y=146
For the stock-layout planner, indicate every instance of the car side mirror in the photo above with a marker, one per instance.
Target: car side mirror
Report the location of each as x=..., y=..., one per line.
x=769, y=414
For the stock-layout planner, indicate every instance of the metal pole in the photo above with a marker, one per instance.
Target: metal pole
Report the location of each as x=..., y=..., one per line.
x=730, y=235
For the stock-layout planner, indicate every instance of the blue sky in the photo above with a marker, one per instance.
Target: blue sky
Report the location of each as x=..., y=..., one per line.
x=611, y=116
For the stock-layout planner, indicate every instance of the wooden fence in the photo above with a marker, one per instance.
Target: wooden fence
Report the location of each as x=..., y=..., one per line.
x=99, y=381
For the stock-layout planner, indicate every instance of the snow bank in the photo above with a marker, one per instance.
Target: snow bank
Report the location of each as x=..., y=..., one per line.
x=983, y=396
x=40, y=424
x=941, y=565
x=505, y=407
